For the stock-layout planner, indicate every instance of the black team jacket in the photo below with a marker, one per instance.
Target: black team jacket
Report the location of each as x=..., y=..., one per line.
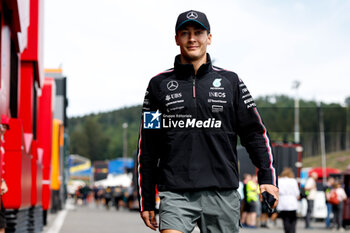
x=189, y=130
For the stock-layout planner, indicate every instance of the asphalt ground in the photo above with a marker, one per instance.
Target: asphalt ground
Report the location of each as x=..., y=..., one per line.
x=92, y=219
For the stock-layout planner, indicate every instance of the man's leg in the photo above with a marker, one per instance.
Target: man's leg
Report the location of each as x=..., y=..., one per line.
x=310, y=206
x=335, y=216
x=294, y=220
x=307, y=224
x=252, y=219
x=341, y=206
x=244, y=218
x=252, y=213
x=221, y=212
x=289, y=220
x=178, y=211
x=328, y=218
x=338, y=216
x=264, y=217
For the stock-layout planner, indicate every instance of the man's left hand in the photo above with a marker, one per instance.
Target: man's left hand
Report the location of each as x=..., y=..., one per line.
x=273, y=190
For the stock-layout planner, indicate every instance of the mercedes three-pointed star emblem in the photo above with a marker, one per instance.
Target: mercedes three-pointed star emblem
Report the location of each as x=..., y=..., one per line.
x=172, y=85
x=192, y=15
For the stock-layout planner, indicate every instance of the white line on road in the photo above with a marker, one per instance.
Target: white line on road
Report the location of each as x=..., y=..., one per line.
x=57, y=224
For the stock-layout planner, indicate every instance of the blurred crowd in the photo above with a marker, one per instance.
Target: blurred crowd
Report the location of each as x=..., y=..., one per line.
x=117, y=197
x=255, y=212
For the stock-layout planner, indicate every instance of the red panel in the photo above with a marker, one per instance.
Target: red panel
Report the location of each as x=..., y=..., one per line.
x=44, y=136
x=34, y=50
x=13, y=5
x=12, y=175
x=26, y=180
x=328, y=170
x=34, y=191
x=26, y=96
x=39, y=178
x=2, y=151
x=19, y=22
x=44, y=123
x=46, y=196
x=17, y=171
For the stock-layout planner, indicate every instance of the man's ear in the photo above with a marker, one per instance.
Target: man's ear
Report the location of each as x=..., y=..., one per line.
x=209, y=38
x=176, y=37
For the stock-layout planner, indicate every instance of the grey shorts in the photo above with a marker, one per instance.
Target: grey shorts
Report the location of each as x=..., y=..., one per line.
x=212, y=211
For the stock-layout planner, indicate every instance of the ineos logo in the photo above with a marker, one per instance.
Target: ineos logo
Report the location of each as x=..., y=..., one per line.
x=192, y=15
x=172, y=85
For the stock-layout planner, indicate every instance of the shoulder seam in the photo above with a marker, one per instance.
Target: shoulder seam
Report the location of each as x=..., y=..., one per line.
x=164, y=72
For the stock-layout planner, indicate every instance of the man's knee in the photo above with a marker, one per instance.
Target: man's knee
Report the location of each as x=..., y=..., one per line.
x=170, y=231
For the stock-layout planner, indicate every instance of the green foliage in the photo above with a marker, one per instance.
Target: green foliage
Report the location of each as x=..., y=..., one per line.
x=339, y=160
x=278, y=115
x=100, y=136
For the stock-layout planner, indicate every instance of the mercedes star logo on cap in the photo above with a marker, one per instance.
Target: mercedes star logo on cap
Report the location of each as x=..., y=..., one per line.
x=172, y=85
x=192, y=15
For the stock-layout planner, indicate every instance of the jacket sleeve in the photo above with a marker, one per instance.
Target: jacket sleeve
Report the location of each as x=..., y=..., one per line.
x=254, y=136
x=147, y=156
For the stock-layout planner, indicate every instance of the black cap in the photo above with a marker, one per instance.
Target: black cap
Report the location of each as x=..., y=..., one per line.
x=192, y=16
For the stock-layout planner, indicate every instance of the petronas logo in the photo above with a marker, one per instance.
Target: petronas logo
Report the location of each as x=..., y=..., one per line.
x=217, y=82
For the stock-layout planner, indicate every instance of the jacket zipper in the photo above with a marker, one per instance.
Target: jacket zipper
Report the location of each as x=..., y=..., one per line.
x=194, y=87
x=194, y=95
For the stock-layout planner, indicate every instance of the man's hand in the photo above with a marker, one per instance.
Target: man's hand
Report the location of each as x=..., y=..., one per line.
x=149, y=218
x=273, y=190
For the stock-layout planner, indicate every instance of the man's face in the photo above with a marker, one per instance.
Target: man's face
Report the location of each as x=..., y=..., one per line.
x=193, y=41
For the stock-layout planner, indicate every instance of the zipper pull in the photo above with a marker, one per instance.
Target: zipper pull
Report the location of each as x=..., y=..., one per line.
x=194, y=88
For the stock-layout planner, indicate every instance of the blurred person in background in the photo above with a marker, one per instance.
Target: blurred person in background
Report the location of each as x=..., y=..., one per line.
x=98, y=194
x=129, y=193
x=339, y=195
x=246, y=177
x=252, y=202
x=85, y=191
x=78, y=196
x=288, y=202
x=327, y=190
x=108, y=196
x=95, y=190
x=118, y=197
x=4, y=190
x=311, y=190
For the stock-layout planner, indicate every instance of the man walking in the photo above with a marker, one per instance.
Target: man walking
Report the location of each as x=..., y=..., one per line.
x=192, y=115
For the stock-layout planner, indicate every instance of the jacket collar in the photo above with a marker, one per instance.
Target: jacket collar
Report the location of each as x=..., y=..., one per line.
x=187, y=70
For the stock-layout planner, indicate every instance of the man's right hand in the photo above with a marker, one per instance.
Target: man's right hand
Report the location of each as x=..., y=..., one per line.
x=149, y=218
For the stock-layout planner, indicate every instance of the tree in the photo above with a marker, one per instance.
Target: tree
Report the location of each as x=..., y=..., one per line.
x=97, y=141
x=88, y=140
x=347, y=101
x=79, y=142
